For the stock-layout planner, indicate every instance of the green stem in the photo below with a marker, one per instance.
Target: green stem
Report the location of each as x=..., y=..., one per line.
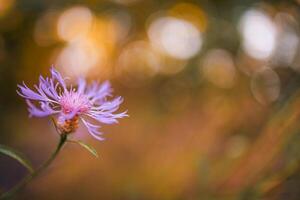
x=29, y=177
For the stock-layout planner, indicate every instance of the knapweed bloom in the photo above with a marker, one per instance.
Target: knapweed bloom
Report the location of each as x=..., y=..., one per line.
x=71, y=104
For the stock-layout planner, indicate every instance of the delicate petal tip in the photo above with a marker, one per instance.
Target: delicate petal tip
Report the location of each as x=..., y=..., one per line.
x=81, y=85
x=124, y=114
x=44, y=110
x=57, y=76
x=97, y=137
x=106, y=88
x=106, y=85
x=19, y=93
x=98, y=92
x=93, y=130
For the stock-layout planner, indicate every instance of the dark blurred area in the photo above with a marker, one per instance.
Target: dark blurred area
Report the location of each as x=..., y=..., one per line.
x=211, y=87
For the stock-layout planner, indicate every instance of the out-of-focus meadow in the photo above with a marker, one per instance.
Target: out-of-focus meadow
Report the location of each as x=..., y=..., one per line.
x=211, y=88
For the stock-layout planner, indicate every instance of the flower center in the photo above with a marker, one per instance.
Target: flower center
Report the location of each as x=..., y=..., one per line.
x=74, y=101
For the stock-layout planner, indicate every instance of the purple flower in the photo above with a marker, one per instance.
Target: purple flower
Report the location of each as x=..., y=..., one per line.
x=72, y=104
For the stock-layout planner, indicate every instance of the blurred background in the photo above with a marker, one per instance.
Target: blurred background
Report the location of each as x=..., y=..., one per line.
x=211, y=87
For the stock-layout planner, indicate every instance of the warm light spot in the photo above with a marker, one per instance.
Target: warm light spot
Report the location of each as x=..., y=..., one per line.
x=288, y=45
x=137, y=63
x=79, y=57
x=74, y=22
x=5, y=6
x=265, y=86
x=104, y=33
x=287, y=40
x=190, y=12
x=176, y=37
x=259, y=34
x=90, y=50
x=171, y=66
x=218, y=68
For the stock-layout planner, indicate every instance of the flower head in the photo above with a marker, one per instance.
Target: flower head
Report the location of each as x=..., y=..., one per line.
x=72, y=104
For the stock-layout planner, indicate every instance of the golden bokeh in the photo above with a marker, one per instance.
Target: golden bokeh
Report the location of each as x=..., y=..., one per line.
x=211, y=89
